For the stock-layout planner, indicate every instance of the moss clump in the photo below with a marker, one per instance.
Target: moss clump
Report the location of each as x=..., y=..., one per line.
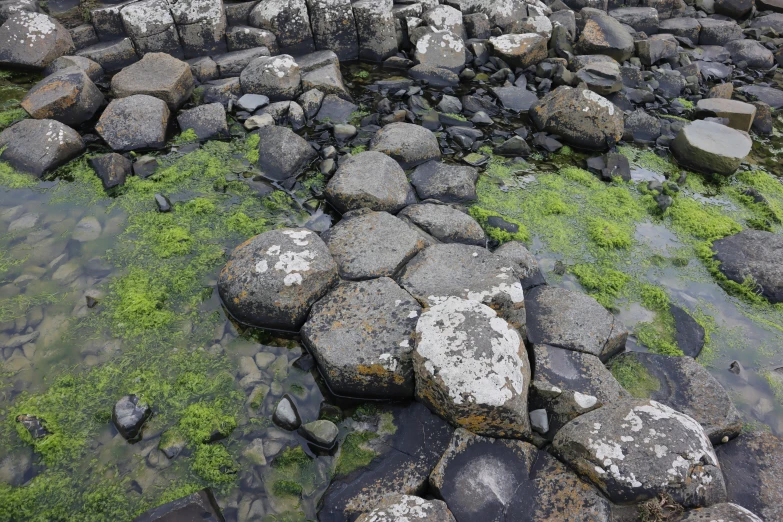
x=634, y=377
x=291, y=458
x=203, y=422
x=251, y=145
x=294, y=469
x=658, y=336
x=361, y=75
x=11, y=116
x=607, y=234
x=214, y=464
x=581, y=176
x=654, y=298
x=289, y=488
x=386, y=425
x=701, y=221
x=481, y=215
x=12, y=179
x=603, y=283
x=456, y=116
x=354, y=454
x=774, y=379
x=649, y=160
x=685, y=103
x=358, y=150
x=187, y=136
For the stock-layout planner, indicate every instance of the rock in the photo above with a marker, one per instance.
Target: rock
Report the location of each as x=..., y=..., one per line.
x=753, y=468
x=602, y=77
x=286, y=415
x=446, y=224
x=200, y=506
x=444, y=182
x=642, y=127
x=87, y=229
x=326, y=79
x=733, y=8
x=243, y=37
x=93, y=70
x=361, y=334
x=445, y=18
x=472, y=368
x=710, y=147
x=572, y=320
x=39, y=146
x=68, y=96
x=762, y=122
x=580, y=116
x=201, y=25
x=151, y=27
x=32, y=40
x=739, y=114
x=368, y=244
x=602, y=34
x=163, y=203
x=316, y=60
x=406, y=507
x=335, y=110
x=751, y=254
x=322, y=433
x=769, y=95
x=769, y=19
x=376, y=30
x=689, y=334
x=231, y=65
x=252, y=102
x=107, y=22
x=207, y=121
x=434, y=76
x=113, y=55
x=718, y=32
x=272, y=280
x=515, y=99
x=642, y=19
x=129, y=415
x=657, y=48
x=8, y=8
x=136, y=122
x=334, y=27
x=113, y=169
x=158, y=75
x=369, y=180
x=683, y=27
x=634, y=450
x=520, y=50
x=726, y=511
x=442, y=49
x=409, y=144
x=282, y=153
x=523, y=262
x=289, y=21
x=751, y=52
x=277, y=77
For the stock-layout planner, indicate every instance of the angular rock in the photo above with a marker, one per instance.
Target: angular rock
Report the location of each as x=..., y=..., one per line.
x=289, y=21
x=445, y=18
x=710, y=147
x=326, y=79
x=769, y=95
x=442, y=49
x=689, y=334
x=282, y=153
x=113, y=169
x=286, y=414
x=376, y=30
x=642, y=127
x=223, y=91
x=151, y=27
x=718, y=32
x=602, y=34
x=334, y=27
x=642, y=19
x=739, y=114
x=201, y=25
x=135, y=122
x=112, y=55
x=524, y=263
x=444, y=182
x=446, y=224
x=243, y=37
x=129, y=415
x=409, y=144
x=734, y=8
x=93, y=70
x=683, y=27
x=515, y=99
x=322, y=433
x=107, y=22
x=39, y=146
x=277, y=77
x=410, y=508
x=726, y=511
x=751, y=52
x=520, y=50
x=68, y=96
x=434, y=76
x=603, y=77
x=200, y=506
x=32, y=40
x=752, y=254
x=231, y=65
x=657, y=48
x=207, y=121
x=158, y=75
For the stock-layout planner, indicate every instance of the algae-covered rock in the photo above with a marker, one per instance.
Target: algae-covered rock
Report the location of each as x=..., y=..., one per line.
x=39, y=146
x=754, y=255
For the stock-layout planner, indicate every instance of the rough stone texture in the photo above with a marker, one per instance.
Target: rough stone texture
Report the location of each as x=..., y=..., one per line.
x=334, y=27
x=151, y=27
x=277, y=77
x=710, y=147
x=107, y=22
x=327, y=79
x=683, y=27
x=207, y=121
x=445, y=223
x=368, y=244
x=472, y=368
x=113, y=55
x=231, y=65
x=289, y=21
x=222, y=91
x=718, y=32
x=273, y=279
x=8, y=8
x=634, y=450
x=739, y=114
x=135, y=122
x=282, y=153
x=310, y=101
x=376, y=30
x=39, y=146
x=523, y=262
x=446, y=183
x=689, y=334
x=644, y=19
x=159, y=75
x=726, y=512
x=113, y=169
x=68, y=96
x=201, y=25
x=769, y=95
x=129, y=415
x=751, y=52
x=515, y=98
x=243, y=37
x=33, y=40
x=753, y=254
x=602, y=77
x=411, y=509
x=580, y=116
x=442, y=49
x=200, y=506
x=572, y=320
x=93, y=70
x=409, y=144
x=602, y=34
x=335, y=110
x=445, y=18
x=520, y=50
x=657, y=48
x=362, y=336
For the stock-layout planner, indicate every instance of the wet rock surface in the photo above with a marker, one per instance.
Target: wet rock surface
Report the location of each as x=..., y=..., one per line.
x=68, y=96
x=752, y=254
x=39, y=146
x=129, y=415
x=136, y=122
x=281, y=152
x=411, y=508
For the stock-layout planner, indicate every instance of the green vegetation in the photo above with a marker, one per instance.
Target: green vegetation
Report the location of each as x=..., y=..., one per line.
x=603, y=283
x=287, y=488
x=12, y=179
x=202, y=422
x=361, y=75
x=634, y=377
x=607, y=234
x=187, y=136
x=701, y=221
x=214, y=464
x=11, y=116
x=685, y=103
x=358, y=150
x=456, y=116
x=481, y=215
x=353, y=452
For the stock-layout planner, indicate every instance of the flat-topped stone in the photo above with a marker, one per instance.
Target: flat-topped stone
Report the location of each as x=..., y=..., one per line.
x=68, y=96
x=134, y=122
x=282, y=153
x=277, y=77
x=444, y=182
x=112, y=55
x=520, y=50
x=409, y=144
x=710, y=147
x=739, y=114
x=445, y=223
x=159, y=75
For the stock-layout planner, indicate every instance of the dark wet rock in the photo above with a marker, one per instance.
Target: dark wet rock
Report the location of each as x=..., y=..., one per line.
x=225, y=91
x=273, y=279
x=603, y=77
x=34, y=426
x=446, y=224
x=641, y=126
x=734, y=8
x=282, y=153
x=243, y=37
x=572, y=320
x=277, y=77
x=683, y=27
x=145, y=166
x=33, y=40
x=113, y=169
x=515, y=98
x=362, y=336
x=409, y=144
x=207, y=121
x=752, y=254
x=201, y=25
x=524, y=263
x=446, y=183
x=129, y=415
x=711, y=71
x=310, y=101
x=286, y=414
x=376, y=30
x=643, y=19
x=107, y=22
x=751, y=52
x=334, y=27
x=472, y=368
x=93, y=70
x=68, y=96
x=670, y=83
x=368, y=244
x=739, y=114
x=710, y=147
x=135, y=122
x=726, y=511
x=477, y=26
x=39, y=146
x=769, y=19
x=442, y=49
x=753, y=468
x=769, y=95
x=112, y=55
x=322, y=433
x=580, y=116
x=163, y=203
x=252, y=102
x=513, y=147
x=326, y=79
x=335, y=110
x=434, y=76
x=370, y=180
x=567, y=384
x=410, y=508
x=475, y=103
x=634, y=450
x=762, y=122
x=520, y=50
x=689, y=334
x=151, y=27
x=657, y=48
x=159, y=75
x=602, y=34
x=718, y=32
x=200, y=506
x=231, y=65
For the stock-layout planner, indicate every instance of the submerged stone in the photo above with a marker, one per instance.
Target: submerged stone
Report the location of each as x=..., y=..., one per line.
x=323, y=433
x=754, y=255
x=200, y=506
x=286, y=414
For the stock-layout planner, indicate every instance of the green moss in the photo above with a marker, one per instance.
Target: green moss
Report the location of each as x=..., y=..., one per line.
x=634, y=377
x=649, y=160
x=658, y=336
x=11, y=116
x=214, y=464
x=201, y=421
x=603, y=283
x=289, y=488
x=387, y=426
x=12, y=179
x=456, y=116
x=607, y=234
x=581, y=176
x=654, y=298
x=361, y=75
x=252, y=148
x=746, y=290
x=356, y=116
x=701, y=221
x=565, y=151
x=293, y=457
x=358, y=150
x=481, y=215
x=775, y=381
x=187, y=136
x=353, y=452
x=685, y=103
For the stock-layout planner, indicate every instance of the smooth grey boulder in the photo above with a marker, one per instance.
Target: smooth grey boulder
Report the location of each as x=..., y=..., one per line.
x=444, y=182
x=207, y=121
x=334, y=27
x=376, y=30
x=327, y=79
x=286, y=414
x=602, y=34
x=129, y=415
x=635, y=450
x=151, y=27
x=642, y=127
x=289, y=21
x=277, y=77
x=520, y=50
x=112, y=168
x=710, y=147
x=273, y=279
x=243, y=37
x=112, y=55
x=727, y=512
x=445, y=223
x=68, y=96
x=159, y=75
x=310, y=101
x=751, y=52
x=603, y=78
x=134, y=122
x=282, y=153
x=524, y=263
x=442, y=49
x=361, y=334
x=768, y=19
x=718, y=32
x=33, y=40
x=39, y=146
x=407, y=507
x=739, y=114
x=572, y=320
x=769, y=95
x=754, y=255
x=231, y=65
x=367, y=244
x=515, y=99
x=93, y=70
x=409, y=144
x=201, y=25
x=322, y=433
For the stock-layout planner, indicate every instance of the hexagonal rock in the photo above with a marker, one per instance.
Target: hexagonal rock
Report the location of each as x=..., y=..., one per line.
x=580, y=116
x=572, y=320
x=446, y=183
x=361, y=334
x=602, y=34
x=151, y=27
x=739, y=114
x=472, y=368
x=445, y=18
x=201, y=25
x=159, y=75
x=442, y=49
x=33, y=40
x=93, y=70
x=289, y=21
x=524, y=263
x=272, y=280
x=727, y=511
x=568, y=384
x=407, y=143
x=334, y=27
x=520, y=50
x=445, y=223
x=375, y=29
x=368, y=244
x=718, y=32
x=207, y=121
x=135, y=122
x=710, y=147
x=406, y=507
x=282, y=153
x=634, y=450
x=39, y=146
x=277, y=77
x=68, y=96
x=113, y=55
x=369, y=180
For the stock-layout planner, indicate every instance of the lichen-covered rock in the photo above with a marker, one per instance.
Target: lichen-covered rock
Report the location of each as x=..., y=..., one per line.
x=643, y=19
x=409, y=144
x=282, y=153
x=710, y=147
x=726, y=512
x=445, y=223
x=33, y=40
x=68, y=96
x=634, y=450
x=135, y=122
x=245, y=37
x=520, y=50
x=362, y=336
x=207, y=121
x=445, y=18
x=446, y=183
x=273, y=279
x=39, y=146
x=376, y=30
x=334, y=27
x=289, y=21
x=406, y=507
x=151, y=27
x=113, y=55
x=755, y=255
x=277, y=77
x=93, y=70
x=159, y=75
x=201, y=25
x=524, y=263
x=602, y=34
x=472, y=368
x=442, y=49
x=231, y=65
x=8, y=8
x=327, y=79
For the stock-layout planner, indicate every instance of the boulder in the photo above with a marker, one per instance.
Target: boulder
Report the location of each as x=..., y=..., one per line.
x=39, y=146
x=68, y=96
x=282, y=153
x=231, y=65
x=201, y=25
x=733, y=8
x=113, y=169
x=635, y=450
x=327, y=79
x=151, y=27
x=207, y=121
x=520, y=50
x=277, y=77
x=751, y=52
x=83, y=36
x=244, y=37
x=602, y=78
x=367, y=244
x=501, y=13
x=107, y=22
x=129, y=415
x=445, y=18
x=434, y=76
x=32, y=40
x=642, y=127
x=683, y=27
x=725, y=511
x=602, y=34
x=710, y=147
x=409, y=508
x=335, y=110
x=718, y=32
x=200, y=506
x=515, y=99
x=769, y=95
x=322, y=433
x=641, y=19
x=334, y=27
x=316, y=60
x=739, y=114
x=273, y=279
x=768, y=19
x=289, y=21
x=223, y=91
x=113, y=55
x=376, y=30
x=444, y=182
x=472, y=368
x=409, y=144
x=523, y=262
x=135, y=122
x=445, y=223
x=370, y=180
x=93, y=70
x=8, y=8
x=159, y=75
x=286, y=414
x=539, y=24
x=442, y=49
x=657, y=48
x=753, y=254
x=361, y=334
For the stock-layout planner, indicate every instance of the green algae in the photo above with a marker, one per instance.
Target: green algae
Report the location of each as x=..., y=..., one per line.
x=186, y=136
x=202, y=422
x=481, y=215
x=251, y=155
x=357, y=150
x=701, y=221
x=11, y=116
x=634, y=377
x=214, y=464
x=292, y=473
x=604, y=284
x=607, y=234
x=287, y=488
x=649, y=160
x=12, y=179
x=685, y=103
x=353, y=452
x=386, y=425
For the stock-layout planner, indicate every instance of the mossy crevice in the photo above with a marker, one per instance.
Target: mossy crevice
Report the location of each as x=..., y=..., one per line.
x=634, y=377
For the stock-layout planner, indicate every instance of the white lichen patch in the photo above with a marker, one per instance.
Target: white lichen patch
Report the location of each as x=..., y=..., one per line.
x=404, y=508
x=513, y=44
x=147, y=18
x=598, y=99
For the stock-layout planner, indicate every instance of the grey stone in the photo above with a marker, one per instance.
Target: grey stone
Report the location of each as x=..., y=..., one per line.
x=642, y=127
x=683, y=27
x=657, y=48
x=286, y=414
x=768, y=19
x=239, y=13
x=201, y=25
x=107, y=21
x=207, y=121
x=68, y=96
x=524, y=263
x=410, y=508
x=277, y=77
x=158, y=75
x=515, y=99
x=39, y=146
x=602, y=34
x=316, y=60
x=8, y=8
x=718, y=32
x=93, y=70
x=200, y=506
x=334, y=27
x=434, y=76
x=204, y=68
x=520, y=50
x=224, y=91
x=753, y=53
x=327, y=79
x=739, y=114
x=444, y=50
x=375, y=29
x=444, y=182
x=409, y=144
x=603, y=77
x=151, y=27
x=446, y=224
x=643, y=19
x=112, y=55
x=252, y=102
x=289, y=21
x=33, y=40
x=501, y=13
x=129, y=415
x=243, y=37
x=321, y=432
x=477, y=26
x=710, y=147
x=83, y=36
x=769, y=95
x=335, y=110
x=445, y=18
x=754, y=255
x=134, y=122
x=282, y=153
x=231, y=65
x=113, y=169
x=726, y=511
x=310, y=101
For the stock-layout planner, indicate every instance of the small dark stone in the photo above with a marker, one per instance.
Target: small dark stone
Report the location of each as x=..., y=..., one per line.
x=112, y=168
x=34, y=426
x=502, y=224
x=690, y=334
x=129, y=415
x=164, y=205
x=145, y=166
x=664, y=201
